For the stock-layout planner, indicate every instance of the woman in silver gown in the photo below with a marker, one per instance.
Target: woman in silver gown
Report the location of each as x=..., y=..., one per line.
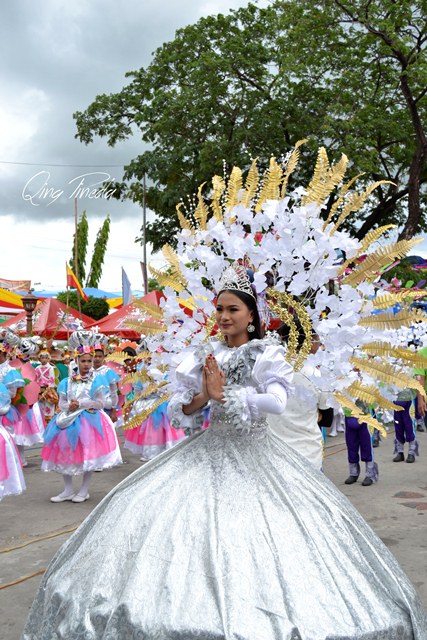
x=226, y=536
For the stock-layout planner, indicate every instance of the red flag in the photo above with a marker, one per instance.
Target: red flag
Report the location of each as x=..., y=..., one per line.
x=73, y=283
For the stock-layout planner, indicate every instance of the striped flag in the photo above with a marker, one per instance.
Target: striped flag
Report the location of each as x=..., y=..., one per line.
x=73, y=283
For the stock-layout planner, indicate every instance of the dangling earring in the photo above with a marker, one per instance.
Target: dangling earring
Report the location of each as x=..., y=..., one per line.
x=251, y=328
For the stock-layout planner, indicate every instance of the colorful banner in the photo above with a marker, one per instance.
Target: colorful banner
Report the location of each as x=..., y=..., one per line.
x=17, y=286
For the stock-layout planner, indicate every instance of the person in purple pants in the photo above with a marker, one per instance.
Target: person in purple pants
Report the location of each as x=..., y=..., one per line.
x=359, y=447
x=404, y=428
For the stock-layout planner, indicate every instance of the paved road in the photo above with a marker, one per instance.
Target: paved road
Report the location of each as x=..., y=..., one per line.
x=396, y=508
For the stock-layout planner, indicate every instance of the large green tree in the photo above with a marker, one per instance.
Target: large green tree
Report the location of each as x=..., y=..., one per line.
x=351, y=75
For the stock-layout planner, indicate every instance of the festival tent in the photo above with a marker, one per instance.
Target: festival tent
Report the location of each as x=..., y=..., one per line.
x=115, y=323
x=51, y=319
x=10, y=303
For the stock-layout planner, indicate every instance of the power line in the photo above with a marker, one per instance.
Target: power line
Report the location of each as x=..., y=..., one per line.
x=75, y=166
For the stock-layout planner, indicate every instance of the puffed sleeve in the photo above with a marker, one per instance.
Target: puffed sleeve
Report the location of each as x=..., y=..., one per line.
x=187, y=384
x=271, y=383
x=271, y=366
x=4, y=400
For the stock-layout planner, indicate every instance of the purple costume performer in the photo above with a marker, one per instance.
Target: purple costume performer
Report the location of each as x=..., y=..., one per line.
x=404, y=429
x=358, y=437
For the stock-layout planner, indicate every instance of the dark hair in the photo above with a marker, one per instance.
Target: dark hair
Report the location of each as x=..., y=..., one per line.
x=284, y=332
x=130, y=351
x=250, y=302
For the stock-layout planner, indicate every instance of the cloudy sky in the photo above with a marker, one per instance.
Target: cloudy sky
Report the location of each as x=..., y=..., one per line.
x=57, y=57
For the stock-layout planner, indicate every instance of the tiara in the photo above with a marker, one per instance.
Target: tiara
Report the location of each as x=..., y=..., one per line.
x=235, y=278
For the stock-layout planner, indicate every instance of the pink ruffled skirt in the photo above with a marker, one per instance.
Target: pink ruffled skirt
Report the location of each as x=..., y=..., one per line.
x=88, y=444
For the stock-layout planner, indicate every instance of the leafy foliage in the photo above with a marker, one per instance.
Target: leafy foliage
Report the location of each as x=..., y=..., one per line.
x=82, y=243
x=350, y=75
x=95, y=308
x=98, y=255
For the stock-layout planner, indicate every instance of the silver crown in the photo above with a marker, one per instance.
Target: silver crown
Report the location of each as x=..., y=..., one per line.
x=235, y=278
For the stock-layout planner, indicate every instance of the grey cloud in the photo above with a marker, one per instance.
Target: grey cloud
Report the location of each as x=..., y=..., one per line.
x=73, y=51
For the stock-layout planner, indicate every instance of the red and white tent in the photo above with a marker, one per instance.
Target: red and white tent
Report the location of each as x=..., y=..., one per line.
x=115, y=323
x=51, y=319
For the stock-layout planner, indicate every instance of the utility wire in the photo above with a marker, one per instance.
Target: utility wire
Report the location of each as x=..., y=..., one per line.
x=75, y=166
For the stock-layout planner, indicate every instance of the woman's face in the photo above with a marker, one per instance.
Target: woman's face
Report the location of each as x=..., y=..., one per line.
x=233, y=316
x=85, y=364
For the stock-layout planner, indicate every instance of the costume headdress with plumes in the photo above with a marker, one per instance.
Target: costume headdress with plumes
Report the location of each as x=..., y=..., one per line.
x=8, y=340
x=82, y=342
x=294, y=246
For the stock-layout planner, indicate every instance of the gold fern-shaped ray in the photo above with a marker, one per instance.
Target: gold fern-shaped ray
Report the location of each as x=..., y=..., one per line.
x=366, y=242
x=270, y=189
x=146, y=327
x=325, y=178
x=386, y=301
x=371, y=395
x=218, y=185
x=171, y=256
x=152, y=388
x=385, y=349
x=291, y=166
x=391, y=320
x=372, y=422
x=378, y=259
x=374, y=236
x=184, y=223
x=251, y=184
x=149, y=307
x=136, y=421
x=137, y=376
x=173, y=280
x=201, y=212
x=387, y=373
x=235, y=185
x=341, y=196
x=117, y=356
x=355, y=202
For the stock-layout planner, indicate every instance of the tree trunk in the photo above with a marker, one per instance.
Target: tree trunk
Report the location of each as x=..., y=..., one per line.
x=414, y=207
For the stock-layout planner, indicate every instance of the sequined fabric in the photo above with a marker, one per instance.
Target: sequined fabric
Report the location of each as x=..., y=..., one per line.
x=225, y=536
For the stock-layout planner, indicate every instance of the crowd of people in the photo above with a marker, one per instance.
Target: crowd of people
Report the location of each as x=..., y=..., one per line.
x=80, y=401
x=83, y=397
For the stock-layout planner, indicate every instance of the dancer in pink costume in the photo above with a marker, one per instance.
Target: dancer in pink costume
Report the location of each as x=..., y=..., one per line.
x=81, y=438
x=155, y=434
x=11, y=477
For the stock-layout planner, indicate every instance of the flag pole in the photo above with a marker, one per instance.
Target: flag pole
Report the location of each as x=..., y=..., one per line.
x=67, y=301
x=76, y=252
x=144, y=243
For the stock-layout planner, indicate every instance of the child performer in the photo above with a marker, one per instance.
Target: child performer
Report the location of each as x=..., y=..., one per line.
x=45, y=377
x=81, y=438
x=155, y=434
x=11, y=477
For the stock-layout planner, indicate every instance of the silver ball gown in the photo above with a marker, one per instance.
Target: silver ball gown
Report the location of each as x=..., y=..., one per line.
x=226, y=537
